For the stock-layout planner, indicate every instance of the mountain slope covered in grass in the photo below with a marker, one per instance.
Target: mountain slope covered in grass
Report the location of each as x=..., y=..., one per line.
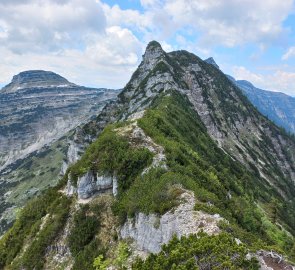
x=184, y=173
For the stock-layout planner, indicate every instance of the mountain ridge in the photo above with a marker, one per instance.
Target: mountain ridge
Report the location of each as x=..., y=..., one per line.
x=277, y=106
x=181, y=146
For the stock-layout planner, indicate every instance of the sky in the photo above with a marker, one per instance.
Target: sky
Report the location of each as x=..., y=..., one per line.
x=100, y=42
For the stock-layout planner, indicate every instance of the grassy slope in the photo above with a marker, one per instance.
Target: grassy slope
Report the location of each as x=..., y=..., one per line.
x=199, y=165
x=194, y=161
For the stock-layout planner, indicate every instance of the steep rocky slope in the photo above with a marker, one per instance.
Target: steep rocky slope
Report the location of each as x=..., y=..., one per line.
x=229, y=117
x=181, y=151
x=278, y=107
x=38, y=111
x=38, y=107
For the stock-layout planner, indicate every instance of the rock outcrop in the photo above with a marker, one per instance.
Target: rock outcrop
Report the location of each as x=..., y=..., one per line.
x=150, y=232
x=211, y=61
x=91, y=184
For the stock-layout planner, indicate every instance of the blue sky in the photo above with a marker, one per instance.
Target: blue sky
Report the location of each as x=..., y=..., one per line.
x=100, y=42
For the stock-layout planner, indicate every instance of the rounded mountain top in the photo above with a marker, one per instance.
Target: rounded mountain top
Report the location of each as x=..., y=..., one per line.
x=36, y=79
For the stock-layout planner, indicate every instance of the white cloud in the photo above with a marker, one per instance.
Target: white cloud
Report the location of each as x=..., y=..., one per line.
x=148, y=3
x=215, y=22
x=279, y=80
x=60, y=24
x=70, y=37
x=107, y=61
x=34, y=25
x=93, y=43
x=118, y=47
x=128, y=17
x=230, y=22
x=290, y=53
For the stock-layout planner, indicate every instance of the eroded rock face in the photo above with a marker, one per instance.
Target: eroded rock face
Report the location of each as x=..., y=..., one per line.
x=150, y=232
x=38, y=107
x=70, y=190
x=90, y=184
x=229, y=118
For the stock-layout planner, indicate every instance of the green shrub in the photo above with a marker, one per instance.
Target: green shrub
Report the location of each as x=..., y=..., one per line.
x=84, y=228
x=100, y=264
x=83, y=241
x=199, y=252
x=120, y=261
x=112, y=154
x=54, y=208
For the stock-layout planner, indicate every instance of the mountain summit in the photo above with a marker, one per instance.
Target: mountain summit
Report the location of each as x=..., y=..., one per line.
x=182, y=166
x=35, y=79
x=211, y=61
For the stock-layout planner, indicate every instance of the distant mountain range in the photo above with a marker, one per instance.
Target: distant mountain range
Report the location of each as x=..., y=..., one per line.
x=277, y=106
x=39, y=112
x=181, y=158
x=38, y=107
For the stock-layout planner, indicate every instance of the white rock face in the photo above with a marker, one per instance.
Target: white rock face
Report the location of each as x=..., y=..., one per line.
x=91, y=184
x=150, y=232
x=72, y=155
x=70, y=189
x=115, y=186
x=63, y=168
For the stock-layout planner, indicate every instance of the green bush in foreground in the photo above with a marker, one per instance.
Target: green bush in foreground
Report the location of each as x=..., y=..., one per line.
x=120, y=261
x=51, y=210
x=199, y=252
x=82, y=240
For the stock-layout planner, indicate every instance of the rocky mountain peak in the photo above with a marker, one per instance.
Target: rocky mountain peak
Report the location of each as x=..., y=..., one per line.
x=153, y=52
x=211, y=61
x=35, y=79
x=216, y=100
x=189, y=142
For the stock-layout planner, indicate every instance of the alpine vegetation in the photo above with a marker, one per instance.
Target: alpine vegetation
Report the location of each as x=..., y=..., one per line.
x=181, y=171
